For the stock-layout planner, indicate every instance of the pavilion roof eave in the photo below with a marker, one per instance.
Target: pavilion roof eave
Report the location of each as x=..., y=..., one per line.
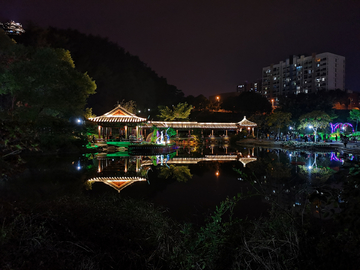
x=118, y=115
x=246, y=123
x=102, y=119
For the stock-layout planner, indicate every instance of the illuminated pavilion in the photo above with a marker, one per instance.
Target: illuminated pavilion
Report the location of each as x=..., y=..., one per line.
x=118, y=119
x=128, y=124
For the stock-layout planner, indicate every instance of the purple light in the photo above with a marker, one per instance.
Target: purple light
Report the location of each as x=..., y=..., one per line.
x=335, y=126
x=335, y=158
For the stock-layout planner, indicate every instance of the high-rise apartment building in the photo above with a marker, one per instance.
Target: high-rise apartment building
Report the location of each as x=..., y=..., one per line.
x=304, y=74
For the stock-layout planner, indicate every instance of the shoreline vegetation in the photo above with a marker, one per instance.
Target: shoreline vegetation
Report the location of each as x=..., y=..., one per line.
x=353, y=147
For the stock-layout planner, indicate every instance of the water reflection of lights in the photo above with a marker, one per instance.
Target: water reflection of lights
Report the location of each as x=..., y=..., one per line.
x=78, y=167
x=335, y=158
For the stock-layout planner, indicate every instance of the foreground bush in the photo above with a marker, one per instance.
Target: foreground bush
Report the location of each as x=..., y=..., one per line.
x=116, y=233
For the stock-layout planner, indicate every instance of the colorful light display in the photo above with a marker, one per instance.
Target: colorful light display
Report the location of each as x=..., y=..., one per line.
x=340, y=126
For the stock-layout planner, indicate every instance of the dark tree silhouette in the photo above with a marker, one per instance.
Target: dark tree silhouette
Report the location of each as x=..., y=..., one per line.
x=118, y=74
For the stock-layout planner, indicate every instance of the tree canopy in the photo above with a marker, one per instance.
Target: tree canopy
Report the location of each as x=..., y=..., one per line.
x=278, y=120
x=355, y=116
x=43, y=81
x=179, y=112
x=315, y=120
x=303, y=103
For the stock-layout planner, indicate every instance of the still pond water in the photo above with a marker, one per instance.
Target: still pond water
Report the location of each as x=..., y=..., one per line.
x=189, y=183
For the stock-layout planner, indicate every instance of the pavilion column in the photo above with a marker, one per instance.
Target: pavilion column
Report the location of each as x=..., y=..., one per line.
x=99, y=166
x=143, y=133
x=99, y=131
x=226, y=133
x=110, y=131
x=126, y=165
x=177, y=133
x=252, y=129
x=189, y=133
x=137, y=132
x=137, y=164
x=212, y=133
x=202, y=133
x=126, y=132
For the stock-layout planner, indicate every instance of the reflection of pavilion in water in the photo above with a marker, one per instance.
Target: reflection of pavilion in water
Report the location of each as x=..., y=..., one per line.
x=118, y=183
x=119, y=173
x=122, y=172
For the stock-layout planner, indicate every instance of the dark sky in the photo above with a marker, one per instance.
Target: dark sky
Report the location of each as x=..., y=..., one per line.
x=208, y=47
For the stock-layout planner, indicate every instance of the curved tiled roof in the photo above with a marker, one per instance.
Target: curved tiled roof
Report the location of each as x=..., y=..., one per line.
x=118, y=115
x=246, y=123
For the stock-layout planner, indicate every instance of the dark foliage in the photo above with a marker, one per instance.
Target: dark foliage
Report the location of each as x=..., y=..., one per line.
x=302, y=103
x=118, y=74
x=248, y=103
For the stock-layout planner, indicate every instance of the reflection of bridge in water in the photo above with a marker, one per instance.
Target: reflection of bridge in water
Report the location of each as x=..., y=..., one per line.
x=189, y=160
x=139, y=165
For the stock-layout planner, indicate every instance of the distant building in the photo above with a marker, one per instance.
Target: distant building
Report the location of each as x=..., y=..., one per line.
x=304, y=74
x=250, y=87
x=12, y=28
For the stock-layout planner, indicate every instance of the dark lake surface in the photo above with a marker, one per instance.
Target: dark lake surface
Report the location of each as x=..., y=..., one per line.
x=188, y=183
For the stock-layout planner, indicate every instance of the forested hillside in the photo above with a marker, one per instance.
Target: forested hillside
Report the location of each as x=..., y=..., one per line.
x=118, y=74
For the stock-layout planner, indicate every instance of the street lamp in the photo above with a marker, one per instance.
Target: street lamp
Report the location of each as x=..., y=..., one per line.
x=315, y=130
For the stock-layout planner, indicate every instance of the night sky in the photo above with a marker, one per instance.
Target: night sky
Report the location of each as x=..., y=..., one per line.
x=208, y=47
